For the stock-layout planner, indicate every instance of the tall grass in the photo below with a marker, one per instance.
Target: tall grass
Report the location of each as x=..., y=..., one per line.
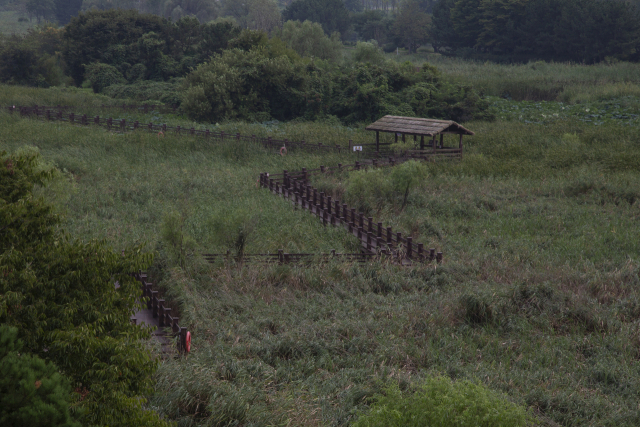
x=538, y=81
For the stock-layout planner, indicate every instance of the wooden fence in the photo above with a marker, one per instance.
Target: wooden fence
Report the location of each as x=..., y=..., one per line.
x=135, y=108
x=377, y=151
x=374, y=238
x=282, y=257
x=160, y=311
x=162, y=130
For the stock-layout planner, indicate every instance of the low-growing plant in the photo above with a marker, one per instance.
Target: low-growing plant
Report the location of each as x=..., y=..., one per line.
x=442, y=402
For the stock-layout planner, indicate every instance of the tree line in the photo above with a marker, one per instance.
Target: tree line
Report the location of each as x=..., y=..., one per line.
x=561, y=30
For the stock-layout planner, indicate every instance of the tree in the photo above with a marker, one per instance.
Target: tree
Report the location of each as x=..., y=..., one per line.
x=61, y=296
x=66, y=9
x=111, y=37
x=263, y=15
x=500, y=22
x=373, y=25
x=465, y=21
x=412, y=25
x=442, y=32
x=331, y=14
x=407, y=176
x=32, y=391
x=308, y=39
x=41, y=9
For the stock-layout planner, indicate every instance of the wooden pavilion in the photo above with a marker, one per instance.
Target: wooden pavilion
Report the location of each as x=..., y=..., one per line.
x=430, y=128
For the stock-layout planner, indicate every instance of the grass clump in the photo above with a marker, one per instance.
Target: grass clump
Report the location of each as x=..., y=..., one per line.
x=444, y=403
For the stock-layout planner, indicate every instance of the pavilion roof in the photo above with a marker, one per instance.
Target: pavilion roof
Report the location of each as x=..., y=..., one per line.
x=417, y=126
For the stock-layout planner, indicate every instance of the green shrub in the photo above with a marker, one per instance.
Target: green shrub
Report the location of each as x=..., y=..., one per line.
x=32, y=392
x=308, y=40
x=368, y=52
x=99, y=76
x=443, y=403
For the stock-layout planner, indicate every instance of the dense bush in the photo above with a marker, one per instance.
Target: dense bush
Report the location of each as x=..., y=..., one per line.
x=444, y=403
x=308, y=40
x=368, y=52
x=228, y=87
x=148, y=90
x=124, y=39
x=99, y=76
x=32, y=391
x=32, y=59
x=245, y=85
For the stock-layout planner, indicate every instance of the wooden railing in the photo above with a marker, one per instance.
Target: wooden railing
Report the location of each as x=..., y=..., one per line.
x=282, y=257
x=59, y=113
x=162, y=312
x=374, y=238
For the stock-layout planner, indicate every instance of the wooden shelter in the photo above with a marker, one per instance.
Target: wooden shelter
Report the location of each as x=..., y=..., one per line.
x=422, y=128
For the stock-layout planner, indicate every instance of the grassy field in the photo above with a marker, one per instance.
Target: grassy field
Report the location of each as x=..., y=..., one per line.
x=9, y=23
x=538, y=296
x=537, y=81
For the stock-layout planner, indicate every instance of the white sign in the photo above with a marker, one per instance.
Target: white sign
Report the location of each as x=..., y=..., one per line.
x=357, y=148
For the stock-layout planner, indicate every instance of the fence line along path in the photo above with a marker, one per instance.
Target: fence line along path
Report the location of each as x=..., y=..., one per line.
x=282, y=257
x=162, y=130
x=159, y=314
x=376, y=150
x=374, y=238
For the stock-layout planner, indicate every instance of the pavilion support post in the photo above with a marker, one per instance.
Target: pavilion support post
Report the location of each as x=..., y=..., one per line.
x=422, y=142
x=403, y=138
x=396, y=135
x=441, y=140
x=377, y=141
x=433, y=144
x=461, y=146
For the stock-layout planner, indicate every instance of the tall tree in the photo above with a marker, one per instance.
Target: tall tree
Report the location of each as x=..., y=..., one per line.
x=41, y=9
x=263, y=15
x=412, y=25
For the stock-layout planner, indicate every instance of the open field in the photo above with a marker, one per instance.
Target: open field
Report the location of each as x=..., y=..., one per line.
x=538, y=296
x=537, y=81
x=9, y=23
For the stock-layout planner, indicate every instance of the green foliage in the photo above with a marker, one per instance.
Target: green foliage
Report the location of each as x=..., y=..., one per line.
x=576, y=30
x=61, y=296
x=412, y=25
x=148, y=90
x=368, y=52
x=41, y=9
x=32, y=59
x=32, y=392
x=407, y=176
x=66, y=9
x=544, y=241
x=331, y=14
x=370, y=190
x=226, y=88
x=442, y=402
x=100, y=76
x=244, y=85
x=308, y=40
x=126, y=38
x=373, y=25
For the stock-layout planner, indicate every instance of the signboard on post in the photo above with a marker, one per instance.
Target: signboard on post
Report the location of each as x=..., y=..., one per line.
x=357, y=148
